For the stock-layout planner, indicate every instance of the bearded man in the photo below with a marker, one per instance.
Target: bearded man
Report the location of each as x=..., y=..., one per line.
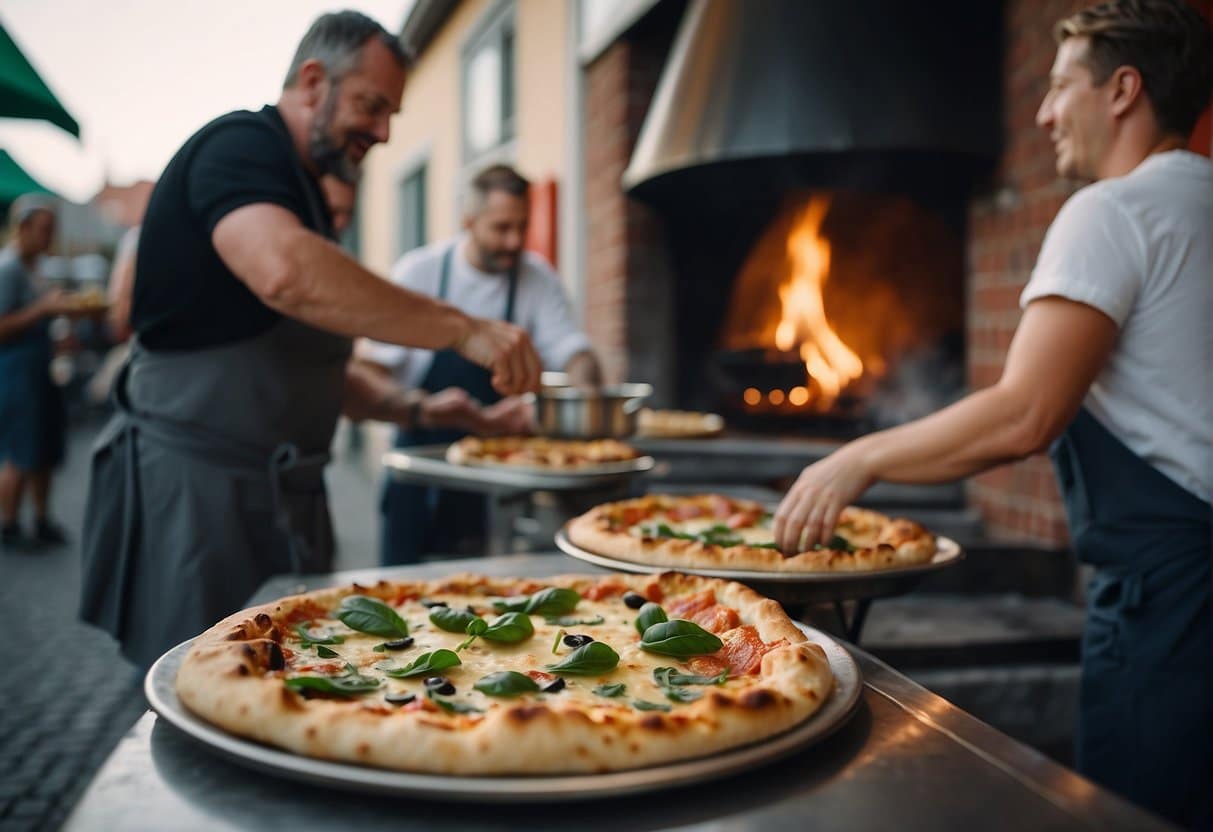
x=210, y=476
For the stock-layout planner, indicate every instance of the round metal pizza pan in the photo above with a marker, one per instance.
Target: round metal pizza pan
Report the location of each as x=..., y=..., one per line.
x=427, y=464
x=160, y=689
x=794, y=587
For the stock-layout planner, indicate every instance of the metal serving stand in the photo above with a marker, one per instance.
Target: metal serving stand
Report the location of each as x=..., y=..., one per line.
x=796, y=591
x=907, y=758
x=509, y=487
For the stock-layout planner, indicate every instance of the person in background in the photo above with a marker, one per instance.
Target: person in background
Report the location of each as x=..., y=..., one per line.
x=1111, y=368
x=484, y=271
x=32, y=413
x=210, y=477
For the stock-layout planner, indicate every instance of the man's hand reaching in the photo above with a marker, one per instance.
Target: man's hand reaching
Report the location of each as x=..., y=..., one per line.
x=504, y=349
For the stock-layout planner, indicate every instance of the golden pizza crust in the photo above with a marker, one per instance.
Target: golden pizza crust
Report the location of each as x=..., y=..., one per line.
x=233, y=676
x=879, y=542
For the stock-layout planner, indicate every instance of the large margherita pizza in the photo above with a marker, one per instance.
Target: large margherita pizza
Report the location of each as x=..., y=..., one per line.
x=710, y=531
x=477, y=676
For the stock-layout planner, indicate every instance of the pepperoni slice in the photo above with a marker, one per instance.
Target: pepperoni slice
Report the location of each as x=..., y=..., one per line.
x=603, y=590
x=717, y=618
x=687, y=607
x=743, y=650
x=720, y=506
x=542, y=679
x=634, y=516
x=742, y=519
x=686, y=511
x=708, y=665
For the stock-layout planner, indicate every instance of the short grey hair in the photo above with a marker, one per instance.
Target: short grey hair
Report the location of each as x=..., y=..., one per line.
x=336, y=41
x=494, y=178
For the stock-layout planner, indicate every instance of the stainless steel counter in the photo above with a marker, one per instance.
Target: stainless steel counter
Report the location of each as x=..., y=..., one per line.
x=907, y=760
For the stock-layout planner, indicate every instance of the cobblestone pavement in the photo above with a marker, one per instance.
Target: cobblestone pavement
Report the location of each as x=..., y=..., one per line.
x=70, y=696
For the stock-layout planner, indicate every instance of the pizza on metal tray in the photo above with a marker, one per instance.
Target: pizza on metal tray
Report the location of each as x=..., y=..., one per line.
x=473, y=675
x=539, y=452
x=710, y=531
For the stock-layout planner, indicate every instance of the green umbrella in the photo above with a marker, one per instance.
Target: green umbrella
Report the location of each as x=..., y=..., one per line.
x=14, y=182
x=25, y=95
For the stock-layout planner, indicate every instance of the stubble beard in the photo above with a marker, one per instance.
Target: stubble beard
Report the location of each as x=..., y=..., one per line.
x=326, y=155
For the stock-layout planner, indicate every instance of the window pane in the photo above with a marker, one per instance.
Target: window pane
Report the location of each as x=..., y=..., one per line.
x=484, y=87
x=507, y=82
x=412, y=211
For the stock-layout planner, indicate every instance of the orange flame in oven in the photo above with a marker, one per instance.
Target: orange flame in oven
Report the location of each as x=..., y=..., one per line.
x=827, y=360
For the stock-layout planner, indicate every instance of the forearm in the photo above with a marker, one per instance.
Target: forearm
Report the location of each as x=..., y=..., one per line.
x=988, y=428
x=371, y=393
x=15, y=324
x=322, y=286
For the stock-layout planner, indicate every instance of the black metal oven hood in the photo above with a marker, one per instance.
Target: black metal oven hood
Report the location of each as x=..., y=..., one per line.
x=868, y=94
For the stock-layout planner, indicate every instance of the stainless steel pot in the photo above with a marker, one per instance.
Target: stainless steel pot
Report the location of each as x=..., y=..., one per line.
x=567, y=412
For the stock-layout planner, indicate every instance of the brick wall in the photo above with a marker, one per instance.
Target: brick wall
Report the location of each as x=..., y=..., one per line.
x=1007, y=223
x=629, y=286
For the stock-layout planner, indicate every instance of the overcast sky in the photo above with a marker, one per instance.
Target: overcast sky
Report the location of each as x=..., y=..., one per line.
x=141, y=75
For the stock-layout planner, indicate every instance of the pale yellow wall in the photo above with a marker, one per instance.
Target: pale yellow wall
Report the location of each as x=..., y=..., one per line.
x=542, y=95
x=428, y=124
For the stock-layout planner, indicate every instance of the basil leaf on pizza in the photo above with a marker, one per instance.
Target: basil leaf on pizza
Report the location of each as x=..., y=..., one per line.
x=370, y=615
x=325, y=653
x=671, y=676
x=642, y=705
x=649, y=615
x=679, y=638
x=551, y=600
x=510, y=628
x=836, y=543
x=681, y=694
x=451, y=706
x=611, y=690
x=309, y=638
x=350, y=683
x=588, y=660
x=426, y=663
x=452, y=620
x=506, y=683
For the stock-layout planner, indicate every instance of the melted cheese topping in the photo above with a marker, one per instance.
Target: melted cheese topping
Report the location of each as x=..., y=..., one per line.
x=635, y=668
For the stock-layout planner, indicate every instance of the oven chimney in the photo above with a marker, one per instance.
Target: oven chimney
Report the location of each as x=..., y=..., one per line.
x=863, y=94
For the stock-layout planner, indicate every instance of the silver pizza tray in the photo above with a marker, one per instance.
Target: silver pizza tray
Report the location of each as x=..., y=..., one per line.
x=427, y=465
x=794, y=587
x=160, y=688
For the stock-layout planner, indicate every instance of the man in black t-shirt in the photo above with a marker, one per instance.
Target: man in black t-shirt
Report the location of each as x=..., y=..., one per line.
x=210, y=477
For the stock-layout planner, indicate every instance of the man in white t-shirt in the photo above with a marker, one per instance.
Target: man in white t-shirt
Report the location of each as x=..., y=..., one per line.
x=1111, y=368
x=484, y=271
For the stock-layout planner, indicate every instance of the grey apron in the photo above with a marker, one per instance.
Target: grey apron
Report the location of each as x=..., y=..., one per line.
x=209, y=479
x=1145, y=726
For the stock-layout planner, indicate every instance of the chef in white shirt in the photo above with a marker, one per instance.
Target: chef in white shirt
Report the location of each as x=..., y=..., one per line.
x=483, y=271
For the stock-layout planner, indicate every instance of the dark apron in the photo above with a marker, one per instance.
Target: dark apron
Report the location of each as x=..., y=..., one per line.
x=419, y=519
x=209, y=478
x=1146, y=706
